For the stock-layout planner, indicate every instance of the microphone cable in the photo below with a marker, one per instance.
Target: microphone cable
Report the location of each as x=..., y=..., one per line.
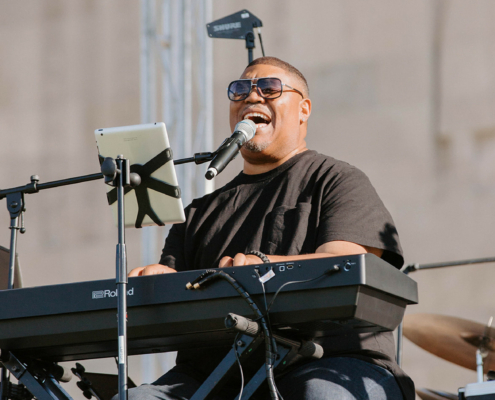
x=267, y=315
x=270, y=344
x=211, y=275
x=329, y=271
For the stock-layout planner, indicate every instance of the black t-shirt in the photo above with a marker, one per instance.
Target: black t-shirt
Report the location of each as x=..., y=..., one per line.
x=293, y=209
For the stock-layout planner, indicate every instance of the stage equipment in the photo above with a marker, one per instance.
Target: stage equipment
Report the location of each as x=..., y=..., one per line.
x=465, y=343
x=416, y=267
x=478, y=391
x=99, y=386
x=117, y=172
x=358, y=293
x=154, y=199
x=451, y=338
x=239, y=25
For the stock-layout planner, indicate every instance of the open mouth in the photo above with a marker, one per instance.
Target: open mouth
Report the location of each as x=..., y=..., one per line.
x=261, y=120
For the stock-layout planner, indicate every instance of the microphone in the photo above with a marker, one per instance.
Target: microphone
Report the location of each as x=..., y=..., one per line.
x=243, y=132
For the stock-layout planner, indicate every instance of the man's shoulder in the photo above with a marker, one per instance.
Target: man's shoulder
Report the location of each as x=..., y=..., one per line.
x=307, y=166
x=329, y=166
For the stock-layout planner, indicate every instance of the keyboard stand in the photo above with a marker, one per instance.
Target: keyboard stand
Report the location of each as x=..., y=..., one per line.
x=40, y=382
x=287, y=350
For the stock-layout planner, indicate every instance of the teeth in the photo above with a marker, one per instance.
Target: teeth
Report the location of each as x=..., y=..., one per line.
x=259, y=115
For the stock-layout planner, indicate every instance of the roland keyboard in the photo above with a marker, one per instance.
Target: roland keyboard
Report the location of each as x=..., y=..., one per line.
x=79, y=320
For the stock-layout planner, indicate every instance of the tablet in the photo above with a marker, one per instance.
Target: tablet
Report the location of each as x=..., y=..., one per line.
x=157, y=200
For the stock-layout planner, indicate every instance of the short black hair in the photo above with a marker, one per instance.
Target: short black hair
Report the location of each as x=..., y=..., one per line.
x=277, y=62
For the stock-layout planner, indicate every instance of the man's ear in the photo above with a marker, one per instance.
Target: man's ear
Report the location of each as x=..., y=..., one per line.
x=304, y=110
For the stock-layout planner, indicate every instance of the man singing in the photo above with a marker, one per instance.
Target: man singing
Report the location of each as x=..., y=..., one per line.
x=288, y=203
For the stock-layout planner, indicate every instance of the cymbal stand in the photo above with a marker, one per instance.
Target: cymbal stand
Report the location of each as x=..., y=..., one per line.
x=416, y=267
x=479, y=366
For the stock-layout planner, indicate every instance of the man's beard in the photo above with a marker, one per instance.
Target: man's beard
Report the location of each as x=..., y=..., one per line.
x=255, y=147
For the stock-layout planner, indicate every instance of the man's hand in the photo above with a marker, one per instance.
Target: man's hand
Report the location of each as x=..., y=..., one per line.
x=239, y=259
x=152, y=269
x=329, y=249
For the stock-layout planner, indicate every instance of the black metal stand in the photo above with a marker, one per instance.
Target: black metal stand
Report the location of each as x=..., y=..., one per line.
x=250, y=46
x=16, y=207
x=117, y=173
x=122, y=180
x=39, y=381
x=245, y=346
x=416, y=267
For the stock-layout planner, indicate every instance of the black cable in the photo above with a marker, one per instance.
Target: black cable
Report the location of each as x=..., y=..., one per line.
x=269, y=356
x=267, y=314
x=291, y=283
x=191, y=285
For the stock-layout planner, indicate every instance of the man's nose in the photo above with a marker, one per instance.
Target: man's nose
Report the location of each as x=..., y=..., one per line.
x=254, y=96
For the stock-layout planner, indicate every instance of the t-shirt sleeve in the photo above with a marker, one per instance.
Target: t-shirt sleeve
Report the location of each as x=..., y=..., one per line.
x=352, y=211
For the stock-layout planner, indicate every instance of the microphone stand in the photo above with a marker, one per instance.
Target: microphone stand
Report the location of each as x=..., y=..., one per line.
x=16, y=207
x=417, y=267
x=117, y=173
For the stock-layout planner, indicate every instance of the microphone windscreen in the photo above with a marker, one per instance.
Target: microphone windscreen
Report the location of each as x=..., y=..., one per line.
x=247, y=127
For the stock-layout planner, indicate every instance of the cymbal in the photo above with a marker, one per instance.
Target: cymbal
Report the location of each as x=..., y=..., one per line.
x=445, y=336
x=428, y=394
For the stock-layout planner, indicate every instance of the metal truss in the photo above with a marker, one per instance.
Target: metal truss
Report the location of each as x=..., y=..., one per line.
x=176, y=87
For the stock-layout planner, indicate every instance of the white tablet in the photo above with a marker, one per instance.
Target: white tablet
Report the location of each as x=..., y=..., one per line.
x=157, y=200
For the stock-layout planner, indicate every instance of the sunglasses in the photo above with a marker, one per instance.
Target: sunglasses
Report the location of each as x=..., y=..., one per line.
x=268, y=88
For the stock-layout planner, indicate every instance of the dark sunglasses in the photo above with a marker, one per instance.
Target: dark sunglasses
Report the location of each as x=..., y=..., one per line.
x=268, y=88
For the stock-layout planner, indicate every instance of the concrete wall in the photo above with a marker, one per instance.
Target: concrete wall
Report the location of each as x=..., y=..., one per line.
x=405, y=91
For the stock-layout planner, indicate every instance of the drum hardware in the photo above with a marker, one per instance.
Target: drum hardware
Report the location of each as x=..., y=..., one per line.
x=465, y=343
x=444, y=336
x=416, y=267
x=478, y=391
